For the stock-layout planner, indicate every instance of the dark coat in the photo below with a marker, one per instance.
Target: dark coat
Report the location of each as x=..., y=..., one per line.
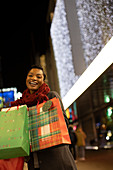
x=54, y=158
x=73, y=136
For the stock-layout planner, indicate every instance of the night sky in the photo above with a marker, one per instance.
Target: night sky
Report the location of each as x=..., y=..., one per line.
x=22, y=36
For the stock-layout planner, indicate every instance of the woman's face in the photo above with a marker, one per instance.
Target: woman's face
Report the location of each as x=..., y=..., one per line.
x=34, y=80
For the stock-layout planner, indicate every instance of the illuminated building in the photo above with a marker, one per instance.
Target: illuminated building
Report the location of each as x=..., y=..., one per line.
x=86, y=27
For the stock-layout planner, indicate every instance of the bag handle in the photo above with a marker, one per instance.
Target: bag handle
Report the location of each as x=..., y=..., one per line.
x=12, y=107
x=40, y=103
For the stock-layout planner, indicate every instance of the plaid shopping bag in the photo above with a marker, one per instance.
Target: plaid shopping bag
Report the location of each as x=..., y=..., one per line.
x=47, y=125
x=14, y=134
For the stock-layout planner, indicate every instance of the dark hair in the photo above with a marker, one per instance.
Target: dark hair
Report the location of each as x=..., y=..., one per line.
x=38, y=67
x=70, y=128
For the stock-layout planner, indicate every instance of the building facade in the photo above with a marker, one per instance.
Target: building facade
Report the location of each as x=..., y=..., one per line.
x=82, y=29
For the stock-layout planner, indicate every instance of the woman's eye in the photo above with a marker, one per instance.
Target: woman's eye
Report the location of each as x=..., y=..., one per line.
x=30, y=75
x=38, y=77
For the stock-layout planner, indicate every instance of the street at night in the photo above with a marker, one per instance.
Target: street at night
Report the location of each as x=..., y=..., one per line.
x=56, y=85
x=97, y=160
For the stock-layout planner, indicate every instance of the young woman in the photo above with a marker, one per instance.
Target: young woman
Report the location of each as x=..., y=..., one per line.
x=54, y=158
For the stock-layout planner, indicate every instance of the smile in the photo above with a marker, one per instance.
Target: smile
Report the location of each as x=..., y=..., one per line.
x=33, y=83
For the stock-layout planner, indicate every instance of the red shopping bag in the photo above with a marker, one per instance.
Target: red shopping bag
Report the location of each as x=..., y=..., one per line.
x=47, y=125
x=12, y=164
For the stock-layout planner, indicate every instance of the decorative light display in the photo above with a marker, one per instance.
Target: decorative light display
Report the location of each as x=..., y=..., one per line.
x=96, y=28
x=62, y=48
x=96, y=25
x=103, y=61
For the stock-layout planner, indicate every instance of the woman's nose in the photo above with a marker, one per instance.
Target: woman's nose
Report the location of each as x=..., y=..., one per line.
x=34, y=77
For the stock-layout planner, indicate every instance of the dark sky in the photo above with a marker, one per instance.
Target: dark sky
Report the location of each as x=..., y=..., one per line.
x=23, y=32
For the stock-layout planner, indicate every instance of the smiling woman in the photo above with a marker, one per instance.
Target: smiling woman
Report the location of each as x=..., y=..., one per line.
x=37, y=89
x=35, y=79
x=58, y=157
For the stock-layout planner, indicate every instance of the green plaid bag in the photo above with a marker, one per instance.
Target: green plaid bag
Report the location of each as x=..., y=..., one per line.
x=14, y=134
x=47, y=125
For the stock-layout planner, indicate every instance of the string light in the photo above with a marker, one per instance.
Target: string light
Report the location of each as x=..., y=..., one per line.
x=62, y=48
x=96, y=28
x=96, y=25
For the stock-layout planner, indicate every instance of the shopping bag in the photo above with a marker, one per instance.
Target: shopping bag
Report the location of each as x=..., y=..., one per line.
x=12, y=164
x=14, y=134
x=47, y=125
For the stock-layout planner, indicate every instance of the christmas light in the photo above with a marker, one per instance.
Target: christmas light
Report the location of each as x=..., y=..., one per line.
x=102, y=61
x=96, y=25
x=62, y=48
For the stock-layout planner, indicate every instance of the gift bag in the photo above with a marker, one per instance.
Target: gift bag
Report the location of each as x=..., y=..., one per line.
x=12, y=164
x=47, y=125
x=14, y=134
